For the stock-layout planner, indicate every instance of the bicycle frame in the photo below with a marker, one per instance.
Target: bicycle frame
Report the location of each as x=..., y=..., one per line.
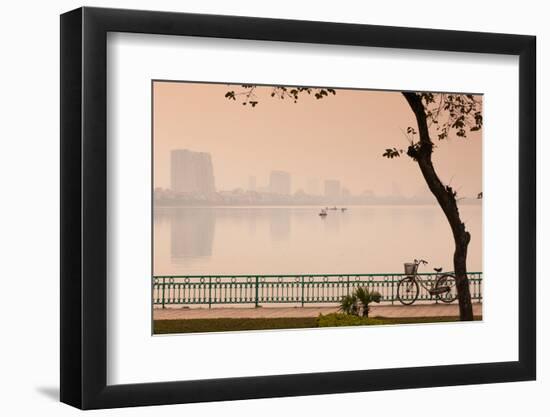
x=416, y=277
x=427, y=283
x=437, y=285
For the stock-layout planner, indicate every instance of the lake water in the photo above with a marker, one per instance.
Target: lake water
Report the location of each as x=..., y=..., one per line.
x=296, y=240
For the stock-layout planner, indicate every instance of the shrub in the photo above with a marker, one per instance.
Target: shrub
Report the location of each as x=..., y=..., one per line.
x=366, y=297
x=359, y=301
x=349, y=304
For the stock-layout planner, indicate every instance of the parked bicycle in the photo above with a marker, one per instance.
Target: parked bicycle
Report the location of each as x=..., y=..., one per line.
x=443, y=286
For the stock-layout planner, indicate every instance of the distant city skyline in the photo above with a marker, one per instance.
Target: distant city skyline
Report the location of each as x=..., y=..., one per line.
x=193, y=172
x=311, y=186
x=193, y=183
x=340, y=138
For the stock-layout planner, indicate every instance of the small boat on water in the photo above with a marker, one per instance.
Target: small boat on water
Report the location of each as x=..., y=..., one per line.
x=323, y=213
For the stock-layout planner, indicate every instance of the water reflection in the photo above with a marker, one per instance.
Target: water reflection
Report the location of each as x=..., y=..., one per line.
x=293, y=240
x=192, y=233
x=332, y=223
x=279, y=223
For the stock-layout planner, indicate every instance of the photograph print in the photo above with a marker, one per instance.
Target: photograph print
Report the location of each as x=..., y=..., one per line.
x=296, y=207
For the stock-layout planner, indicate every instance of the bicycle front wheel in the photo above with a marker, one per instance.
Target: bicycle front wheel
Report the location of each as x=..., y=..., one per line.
x=407, y=291
x=448, y=283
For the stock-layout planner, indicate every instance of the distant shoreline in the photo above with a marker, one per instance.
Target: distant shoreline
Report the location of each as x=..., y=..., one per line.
x=283, y=205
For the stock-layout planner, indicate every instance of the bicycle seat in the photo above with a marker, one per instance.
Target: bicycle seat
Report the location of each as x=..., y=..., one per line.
x=438, y=269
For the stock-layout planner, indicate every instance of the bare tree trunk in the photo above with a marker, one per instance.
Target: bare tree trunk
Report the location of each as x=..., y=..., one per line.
x=446, y=197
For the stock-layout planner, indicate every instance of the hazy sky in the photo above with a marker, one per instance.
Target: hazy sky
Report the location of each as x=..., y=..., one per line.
x=340, y=137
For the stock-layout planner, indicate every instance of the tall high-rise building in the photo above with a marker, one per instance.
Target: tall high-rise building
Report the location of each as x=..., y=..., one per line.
x=312, y=186
x=252, y=183
x=279, y=182
x=332, y=189
x=191, y=172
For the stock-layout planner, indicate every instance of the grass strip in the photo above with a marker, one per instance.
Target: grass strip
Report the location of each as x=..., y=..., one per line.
x=239, y=324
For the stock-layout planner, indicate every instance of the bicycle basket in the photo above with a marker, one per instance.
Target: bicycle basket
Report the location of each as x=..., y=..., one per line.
x=410, y=268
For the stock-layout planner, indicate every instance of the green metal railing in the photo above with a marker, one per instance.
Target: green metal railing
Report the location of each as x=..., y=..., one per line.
x=285, y=289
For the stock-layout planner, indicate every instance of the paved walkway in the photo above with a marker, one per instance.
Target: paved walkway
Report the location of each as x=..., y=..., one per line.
x=420, y=310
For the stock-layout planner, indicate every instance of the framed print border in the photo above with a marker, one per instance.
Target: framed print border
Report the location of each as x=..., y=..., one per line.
x=84, y=207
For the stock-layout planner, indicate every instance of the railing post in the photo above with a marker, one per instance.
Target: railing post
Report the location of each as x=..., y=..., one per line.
x=434, y=282
x=257, y=282
x=302, y=290
x=163, y=286
x=392, y=290
x=348, y=286
x=209, y=292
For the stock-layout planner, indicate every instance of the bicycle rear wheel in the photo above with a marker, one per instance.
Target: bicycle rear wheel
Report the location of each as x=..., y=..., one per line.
x=447, y=281
x=407, y=291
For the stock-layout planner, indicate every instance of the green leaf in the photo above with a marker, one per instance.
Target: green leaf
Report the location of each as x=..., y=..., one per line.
x=392, y=153
x=230, y=95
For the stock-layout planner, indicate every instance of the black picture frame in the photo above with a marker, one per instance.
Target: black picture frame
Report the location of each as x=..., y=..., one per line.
x=84, y=207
